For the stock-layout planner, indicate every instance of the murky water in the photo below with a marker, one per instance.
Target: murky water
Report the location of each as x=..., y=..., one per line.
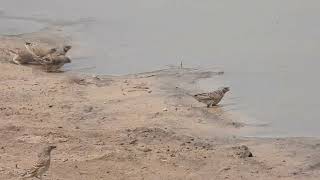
x=269, y=50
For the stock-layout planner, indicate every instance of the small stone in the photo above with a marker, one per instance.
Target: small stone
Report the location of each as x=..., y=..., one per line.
x=146, y=149
x=225, y=169
x=63, y=140
x=88, y=109
x=165, y=109
x=133, y=141
x=65, y=160
x=242, y=151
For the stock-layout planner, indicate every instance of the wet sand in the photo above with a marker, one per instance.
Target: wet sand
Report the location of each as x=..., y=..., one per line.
x=138, y=126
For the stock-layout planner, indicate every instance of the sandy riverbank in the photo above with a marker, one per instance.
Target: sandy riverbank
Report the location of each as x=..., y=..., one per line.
x=141, y=126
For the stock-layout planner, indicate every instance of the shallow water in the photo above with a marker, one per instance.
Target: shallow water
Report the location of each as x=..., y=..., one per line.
x=268, y=49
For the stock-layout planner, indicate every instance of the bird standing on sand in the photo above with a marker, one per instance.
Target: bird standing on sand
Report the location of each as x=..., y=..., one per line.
x=212, y=98
x=41, y=165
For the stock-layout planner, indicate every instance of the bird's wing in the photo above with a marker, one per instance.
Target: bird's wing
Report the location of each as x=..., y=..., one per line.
x=38, y=51
x=215, y=94
x=35, y=168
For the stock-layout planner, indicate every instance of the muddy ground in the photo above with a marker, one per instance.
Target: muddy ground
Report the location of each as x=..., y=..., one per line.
x=141, y=126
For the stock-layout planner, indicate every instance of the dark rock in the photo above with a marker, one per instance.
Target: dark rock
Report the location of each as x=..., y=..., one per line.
x=242, y=151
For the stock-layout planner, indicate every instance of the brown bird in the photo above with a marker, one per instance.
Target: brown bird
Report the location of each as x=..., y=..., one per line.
x=41, y=165
x=51, y=58
x=212, y=98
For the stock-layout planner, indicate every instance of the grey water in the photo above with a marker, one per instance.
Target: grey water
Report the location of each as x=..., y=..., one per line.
x=269, y=50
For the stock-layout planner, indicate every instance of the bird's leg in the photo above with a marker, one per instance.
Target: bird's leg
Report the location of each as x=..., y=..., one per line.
x=15, y=59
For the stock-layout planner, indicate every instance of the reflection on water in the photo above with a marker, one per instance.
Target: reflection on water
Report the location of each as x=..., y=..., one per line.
x=268, y=49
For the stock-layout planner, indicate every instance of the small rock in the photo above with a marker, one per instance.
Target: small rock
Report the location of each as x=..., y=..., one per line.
x=144, y=149
x=225, y=169
x=100, y=143
x=133, y=141
x=165, y=109
x=61, y=140
x=88, y=109
x=254, y=172
x=65, y=160
x=242, y=151
x=149, y=91
x=147, y=150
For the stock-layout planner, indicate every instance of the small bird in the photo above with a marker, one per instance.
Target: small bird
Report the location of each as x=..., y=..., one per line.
x=52, y=59
x=41, y=165
x=212, y=98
